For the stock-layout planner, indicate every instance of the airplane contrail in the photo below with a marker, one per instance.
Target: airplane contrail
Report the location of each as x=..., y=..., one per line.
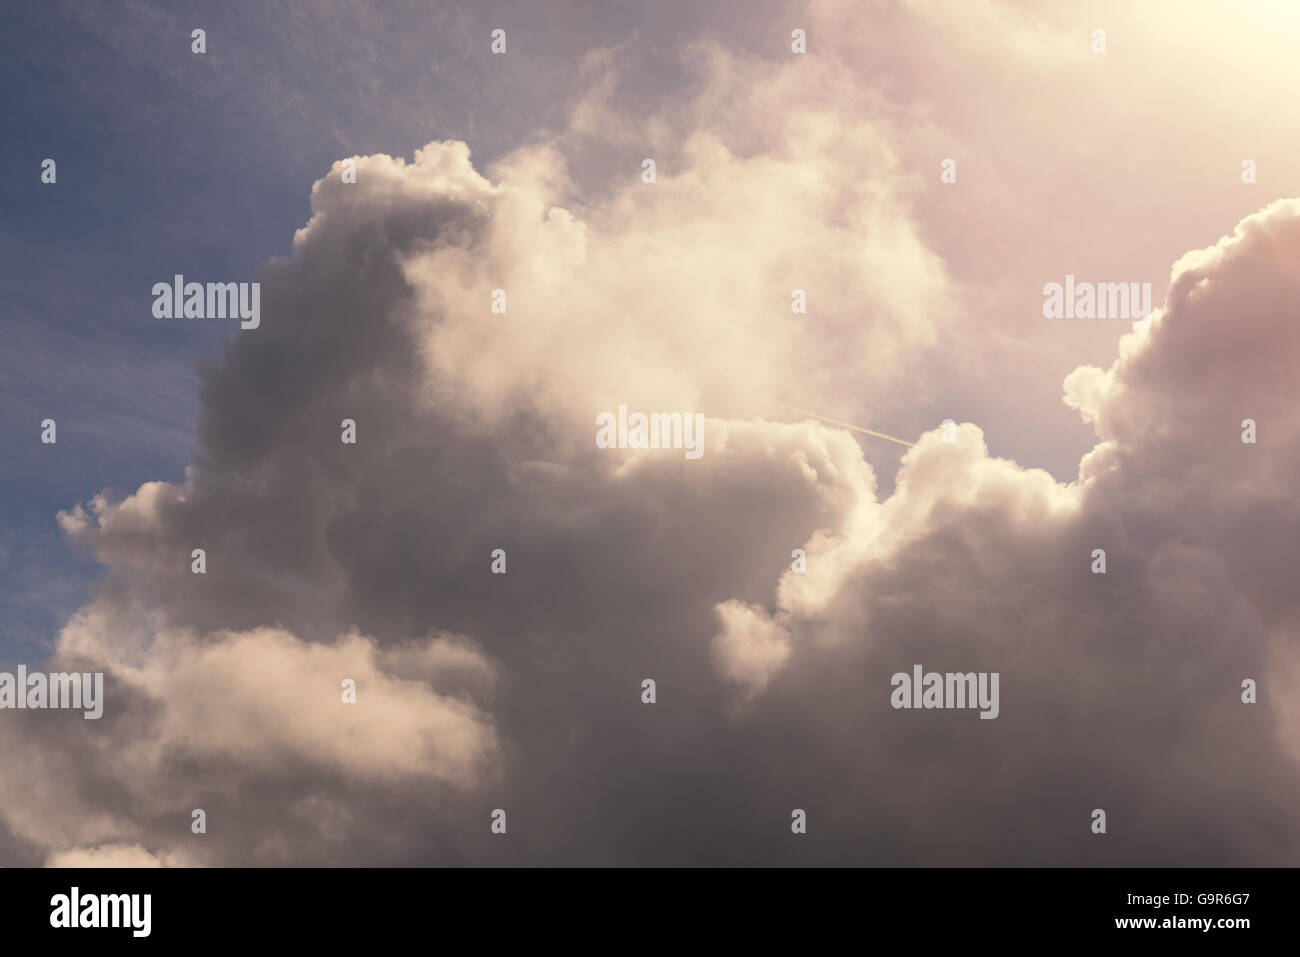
x=855, y=428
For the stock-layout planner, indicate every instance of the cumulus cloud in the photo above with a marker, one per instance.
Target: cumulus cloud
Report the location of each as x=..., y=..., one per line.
x=1121, y=690
x=328, y=561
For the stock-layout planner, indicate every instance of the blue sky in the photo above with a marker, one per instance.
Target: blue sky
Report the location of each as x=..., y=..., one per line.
x=167, y=162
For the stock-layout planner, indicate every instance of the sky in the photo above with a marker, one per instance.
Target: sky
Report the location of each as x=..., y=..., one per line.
x=969, y=549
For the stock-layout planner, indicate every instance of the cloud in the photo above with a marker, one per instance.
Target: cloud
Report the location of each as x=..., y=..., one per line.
x=372, y=561
x=258, y=709
x=1121, y=690
x=110, y=855
x=751, y=647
